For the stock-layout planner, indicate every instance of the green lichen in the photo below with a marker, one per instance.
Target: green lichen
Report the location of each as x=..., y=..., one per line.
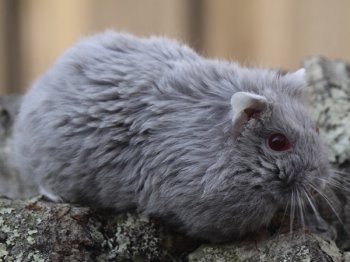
x=346, y=257
x=5, y=229
x=330, y=99
x=330, y=248
x=15, y=235
x=215, y=253
x=19, y=257
x=12, y=237
x=303, y=254
x=35, y=256
x=300, y=248
x=3, y=251
x=30, y=240
x=31, y=232
x=4, y=211
x=134, y=237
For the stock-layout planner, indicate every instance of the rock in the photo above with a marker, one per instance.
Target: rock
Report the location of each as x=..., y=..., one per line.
x=11, y=185
x=329, y=95
x=35, y=230
x=330, y=100
x=299, y=247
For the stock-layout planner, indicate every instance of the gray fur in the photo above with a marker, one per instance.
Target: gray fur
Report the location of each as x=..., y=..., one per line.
x=124, y=122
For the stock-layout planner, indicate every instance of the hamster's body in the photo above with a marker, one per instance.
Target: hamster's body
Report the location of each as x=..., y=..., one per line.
x=124, y=122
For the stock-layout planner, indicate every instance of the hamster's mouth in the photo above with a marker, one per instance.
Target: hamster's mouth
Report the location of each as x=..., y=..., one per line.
x=300, y=201
x=283, y=222
x=293, y=209
x=279, y=223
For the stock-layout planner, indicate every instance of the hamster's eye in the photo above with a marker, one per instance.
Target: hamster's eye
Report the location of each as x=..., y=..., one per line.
x=279, y=142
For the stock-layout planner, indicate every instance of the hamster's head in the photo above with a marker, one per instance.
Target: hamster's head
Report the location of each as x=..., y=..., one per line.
x=278, y=160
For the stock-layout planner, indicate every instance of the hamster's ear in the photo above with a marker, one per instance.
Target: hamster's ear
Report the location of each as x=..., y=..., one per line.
x=300, y=74
x=297, y=82
x=245, y=106
x=299, y=77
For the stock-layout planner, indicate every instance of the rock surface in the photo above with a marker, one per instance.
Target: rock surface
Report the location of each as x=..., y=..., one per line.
x=329, y=94
x=10, y=183
x=300, y=247
x=35, y=230
x=330, y=100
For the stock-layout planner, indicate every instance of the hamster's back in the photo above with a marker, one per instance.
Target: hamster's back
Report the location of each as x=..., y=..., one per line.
x=85, y=129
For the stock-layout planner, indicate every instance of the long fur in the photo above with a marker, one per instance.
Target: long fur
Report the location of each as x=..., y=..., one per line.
x=126, y=122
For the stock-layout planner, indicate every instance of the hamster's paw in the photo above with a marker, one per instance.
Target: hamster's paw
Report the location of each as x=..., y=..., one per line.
x=49, y=195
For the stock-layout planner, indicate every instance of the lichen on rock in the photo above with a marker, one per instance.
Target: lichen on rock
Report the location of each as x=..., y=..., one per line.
x=36, y=230
x=299, y=247
x=329, y=94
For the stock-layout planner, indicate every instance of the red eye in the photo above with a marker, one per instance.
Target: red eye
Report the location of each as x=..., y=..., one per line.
x=279, y=142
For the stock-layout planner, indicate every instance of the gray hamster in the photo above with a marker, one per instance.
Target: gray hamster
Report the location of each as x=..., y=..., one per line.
x=211, y=147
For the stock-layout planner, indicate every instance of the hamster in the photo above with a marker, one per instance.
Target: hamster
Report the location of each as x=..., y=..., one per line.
x=211, y=147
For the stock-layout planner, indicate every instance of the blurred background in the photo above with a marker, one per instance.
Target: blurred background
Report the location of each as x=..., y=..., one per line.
x=271, y=33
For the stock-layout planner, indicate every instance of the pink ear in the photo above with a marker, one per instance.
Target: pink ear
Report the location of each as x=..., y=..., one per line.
x=244, y=107
x=251, y=112
x=300, y=74
x=298, y=82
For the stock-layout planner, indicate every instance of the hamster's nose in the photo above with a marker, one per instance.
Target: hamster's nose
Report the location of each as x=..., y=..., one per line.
x=282, y=176
x=287, y=179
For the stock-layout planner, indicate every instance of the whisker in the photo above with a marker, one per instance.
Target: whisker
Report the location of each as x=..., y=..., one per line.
x=301, y=210
x=341, y=177
x=333, y=182
x=291, y=215
x=340, y=172
x=312, y=205
x=283, y=217
x=330, y=204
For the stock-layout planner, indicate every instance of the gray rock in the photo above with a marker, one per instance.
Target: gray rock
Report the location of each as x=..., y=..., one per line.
x=330, y=100
x=329, y=95
x=36, y=230
x=299, y=247
x=11, y=185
